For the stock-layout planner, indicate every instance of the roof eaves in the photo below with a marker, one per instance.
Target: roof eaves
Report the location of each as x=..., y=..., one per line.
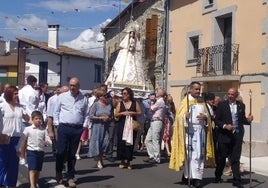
x=121, y=14
x=62, y=50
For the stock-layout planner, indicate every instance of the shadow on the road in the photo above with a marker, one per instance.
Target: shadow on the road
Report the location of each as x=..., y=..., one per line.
x=140, y=153
x=164, y=160
x=43, y=182
x=88, y=179
x=86, y=171
x=142, y=166
x=115, y=164
x=254, y=182
x=246, y=173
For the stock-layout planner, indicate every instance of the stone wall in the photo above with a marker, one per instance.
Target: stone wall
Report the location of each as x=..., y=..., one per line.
x=153, y=70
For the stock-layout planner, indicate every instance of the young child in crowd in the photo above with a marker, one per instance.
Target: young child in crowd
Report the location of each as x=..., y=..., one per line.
x=34, y=136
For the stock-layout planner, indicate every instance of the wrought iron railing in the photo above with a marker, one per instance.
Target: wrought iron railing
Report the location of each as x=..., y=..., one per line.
x=218, y=60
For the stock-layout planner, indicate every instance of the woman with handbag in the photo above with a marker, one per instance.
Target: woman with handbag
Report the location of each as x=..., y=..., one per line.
x=101, y=114
x=126, y=111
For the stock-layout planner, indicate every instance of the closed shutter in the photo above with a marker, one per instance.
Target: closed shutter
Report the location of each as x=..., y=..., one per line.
x=151, y=38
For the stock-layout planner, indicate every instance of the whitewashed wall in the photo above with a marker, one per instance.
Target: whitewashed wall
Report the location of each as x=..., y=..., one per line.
x=35, y=56
x=83, y=68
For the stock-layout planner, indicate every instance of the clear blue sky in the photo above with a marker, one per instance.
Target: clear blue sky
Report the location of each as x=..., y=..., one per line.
x=29, y=18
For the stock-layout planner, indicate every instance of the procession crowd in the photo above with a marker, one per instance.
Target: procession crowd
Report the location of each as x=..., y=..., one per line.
x=200, y=132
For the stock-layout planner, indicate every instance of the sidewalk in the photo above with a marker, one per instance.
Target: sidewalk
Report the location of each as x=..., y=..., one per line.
x=259, y=165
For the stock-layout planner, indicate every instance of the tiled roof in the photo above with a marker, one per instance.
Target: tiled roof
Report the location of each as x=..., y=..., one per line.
x=62, y=50
x=125, y=12
x=8, y=60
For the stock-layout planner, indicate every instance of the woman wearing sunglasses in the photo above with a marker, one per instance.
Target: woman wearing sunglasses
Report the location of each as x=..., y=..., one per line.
x=127, y=107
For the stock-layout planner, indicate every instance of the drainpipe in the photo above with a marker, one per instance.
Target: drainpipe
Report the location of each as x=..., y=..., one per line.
x=166, y=39
x=105, y=61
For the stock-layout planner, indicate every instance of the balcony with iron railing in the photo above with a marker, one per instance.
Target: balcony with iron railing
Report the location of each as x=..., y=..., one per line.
x=218, y=60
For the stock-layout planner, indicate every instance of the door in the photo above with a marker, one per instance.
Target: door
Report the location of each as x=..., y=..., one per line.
x=43, y=70
x=227, y=55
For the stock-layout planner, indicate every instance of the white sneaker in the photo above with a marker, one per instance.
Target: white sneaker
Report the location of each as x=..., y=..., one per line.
x=22, y=161
x=77, y=156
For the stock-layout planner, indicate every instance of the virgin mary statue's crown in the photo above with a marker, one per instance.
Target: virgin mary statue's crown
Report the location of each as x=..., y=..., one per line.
x=132, y=26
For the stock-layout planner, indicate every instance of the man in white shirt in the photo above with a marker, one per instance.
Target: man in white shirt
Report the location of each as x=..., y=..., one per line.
x=71, y=115
x=28, y=96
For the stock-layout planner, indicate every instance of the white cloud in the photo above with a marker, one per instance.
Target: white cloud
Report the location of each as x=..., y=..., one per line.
x=89, y=41
x=34, y=25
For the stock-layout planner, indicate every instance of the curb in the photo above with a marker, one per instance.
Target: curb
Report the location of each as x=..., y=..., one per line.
x=258, y=164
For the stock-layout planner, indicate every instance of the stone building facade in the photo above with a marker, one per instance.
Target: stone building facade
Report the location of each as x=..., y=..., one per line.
x=150, y=17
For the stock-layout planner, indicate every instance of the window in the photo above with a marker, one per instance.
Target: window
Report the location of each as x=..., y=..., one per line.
x=97, y=74
x=3, y=72
x=193, y=45
x=43, y=69
x=193, y=50
x=208, y=3
x=209, y=6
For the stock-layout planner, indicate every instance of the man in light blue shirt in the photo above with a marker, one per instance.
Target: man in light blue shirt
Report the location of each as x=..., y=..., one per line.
x=51, y=103
x=71, y=115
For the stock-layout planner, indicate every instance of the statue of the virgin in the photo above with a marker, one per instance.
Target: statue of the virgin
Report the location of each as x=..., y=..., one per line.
x=127, y=69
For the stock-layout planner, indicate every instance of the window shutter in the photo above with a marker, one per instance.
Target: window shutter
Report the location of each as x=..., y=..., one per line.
x=151, y=38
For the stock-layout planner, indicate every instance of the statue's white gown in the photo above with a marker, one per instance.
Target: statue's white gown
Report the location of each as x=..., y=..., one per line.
x=128, y=69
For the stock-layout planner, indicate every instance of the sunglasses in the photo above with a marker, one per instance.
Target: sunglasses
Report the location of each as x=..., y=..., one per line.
x=124, y=93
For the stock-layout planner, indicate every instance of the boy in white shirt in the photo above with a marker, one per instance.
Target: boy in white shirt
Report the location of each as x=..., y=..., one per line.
x=34, y=136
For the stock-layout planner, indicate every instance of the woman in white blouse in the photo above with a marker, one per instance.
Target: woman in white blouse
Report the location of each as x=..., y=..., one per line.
x=12, y=114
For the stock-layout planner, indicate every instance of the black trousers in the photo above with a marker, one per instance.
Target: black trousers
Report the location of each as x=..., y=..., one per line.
x=67, y=143
x=233, y=150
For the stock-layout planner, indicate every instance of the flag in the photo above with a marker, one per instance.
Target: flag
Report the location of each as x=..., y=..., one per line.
x=114, y=5
x=126, y=1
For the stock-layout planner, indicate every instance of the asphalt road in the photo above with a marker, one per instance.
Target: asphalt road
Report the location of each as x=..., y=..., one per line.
x=142, y=175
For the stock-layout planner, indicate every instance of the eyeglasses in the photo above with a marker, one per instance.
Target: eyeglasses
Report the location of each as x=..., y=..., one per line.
x=124, y=93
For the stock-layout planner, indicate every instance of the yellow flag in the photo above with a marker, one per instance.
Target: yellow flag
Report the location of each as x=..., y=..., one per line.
x=126, y=1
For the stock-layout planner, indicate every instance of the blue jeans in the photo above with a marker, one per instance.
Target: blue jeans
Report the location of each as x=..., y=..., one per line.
x=67, y=143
